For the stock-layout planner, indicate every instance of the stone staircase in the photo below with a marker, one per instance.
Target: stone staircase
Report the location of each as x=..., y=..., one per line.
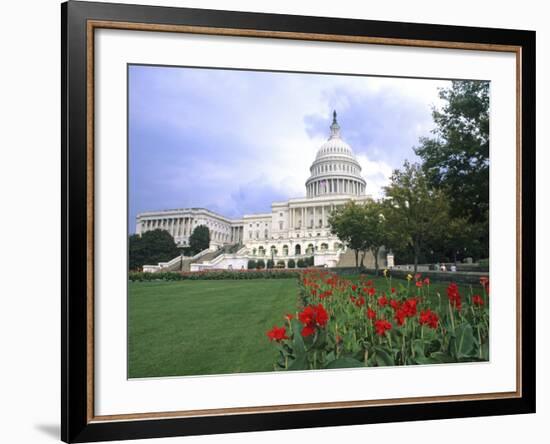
x=176, y=263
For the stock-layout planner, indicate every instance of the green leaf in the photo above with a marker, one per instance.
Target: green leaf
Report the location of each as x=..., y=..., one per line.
x=418, y=347
x=485, y=351
x=464, y=341
x=300, y=363
x=345, y=362
x=297, y=340
x=441, y=357
x=423, y=360
x=383, y=358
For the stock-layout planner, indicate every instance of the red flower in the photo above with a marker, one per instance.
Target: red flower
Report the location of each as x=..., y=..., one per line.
x=427, y=281
x=324, y=294
x=477, y=300
x=428, y=317
x=313, y=316
x=417, y=276
x=372, y=291
x=419, y=284
x=381, y=326
x=409, y=307
x=484, y=280
x=289, y=316
x=454, y=296
x=393, y=289
x=369, y=283
x=360, y=301
x=395, y=304
x=400, y=316
x=277, y=334
x=354, y=287
x=382, y=301
x=371, y=314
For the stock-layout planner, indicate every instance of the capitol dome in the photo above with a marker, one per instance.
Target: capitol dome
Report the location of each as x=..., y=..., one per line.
x=335, y=170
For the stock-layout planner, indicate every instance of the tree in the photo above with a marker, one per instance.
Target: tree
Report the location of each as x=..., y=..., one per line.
x=415, y=213
x=150, y=248
x=348, y=224
x=251, y=264
x=375, y=230
x=199, y=239
x=456, y=159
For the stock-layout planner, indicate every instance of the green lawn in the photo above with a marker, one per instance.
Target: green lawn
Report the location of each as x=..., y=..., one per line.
x=205, y=327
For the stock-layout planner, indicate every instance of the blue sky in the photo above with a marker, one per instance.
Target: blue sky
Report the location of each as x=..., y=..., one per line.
x=234, y=141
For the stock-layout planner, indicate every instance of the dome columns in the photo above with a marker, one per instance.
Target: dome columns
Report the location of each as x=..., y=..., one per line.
x=335, y=185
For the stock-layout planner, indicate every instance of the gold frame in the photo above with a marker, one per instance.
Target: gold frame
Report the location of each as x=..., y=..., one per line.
x=92, y=25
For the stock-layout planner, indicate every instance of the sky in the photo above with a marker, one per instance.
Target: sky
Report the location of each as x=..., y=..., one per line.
x=234, y=141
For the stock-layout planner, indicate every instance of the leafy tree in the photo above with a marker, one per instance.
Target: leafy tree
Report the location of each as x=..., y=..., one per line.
x=150, y=248
x=348, y=223
x=374, y=230
x=270, y=263
x=251, y=264
x=260, y=264
x=199, y=239
x=415, y=213
x=291, y=263
x=456, y=158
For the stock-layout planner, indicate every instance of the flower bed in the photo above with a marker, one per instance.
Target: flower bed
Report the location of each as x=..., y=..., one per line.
x=344, y=324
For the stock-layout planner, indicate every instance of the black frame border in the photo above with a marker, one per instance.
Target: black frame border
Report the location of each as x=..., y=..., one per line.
x=75, y=426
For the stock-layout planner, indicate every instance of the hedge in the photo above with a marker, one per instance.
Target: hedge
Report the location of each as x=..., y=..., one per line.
x=214, y=275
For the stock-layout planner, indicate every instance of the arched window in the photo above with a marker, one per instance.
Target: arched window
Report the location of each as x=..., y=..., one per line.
x=309, y=249
x=254, y=252
x=297, y=250
x=261, y=251
x=273, y=250
x=324, y=247
x=285, y=250
x=265, y=233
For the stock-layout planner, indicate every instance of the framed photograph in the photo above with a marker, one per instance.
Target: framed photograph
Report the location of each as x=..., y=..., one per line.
x=275, y=221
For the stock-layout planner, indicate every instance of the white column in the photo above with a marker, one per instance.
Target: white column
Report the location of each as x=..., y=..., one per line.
x=314, y=218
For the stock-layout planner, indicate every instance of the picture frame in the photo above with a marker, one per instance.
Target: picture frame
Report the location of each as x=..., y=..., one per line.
x=80, y=21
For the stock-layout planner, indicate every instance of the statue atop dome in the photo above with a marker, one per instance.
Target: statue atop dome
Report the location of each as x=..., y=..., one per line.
x=334, y=128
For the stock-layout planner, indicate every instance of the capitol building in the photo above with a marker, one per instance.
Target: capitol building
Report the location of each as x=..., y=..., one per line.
x=294, y=229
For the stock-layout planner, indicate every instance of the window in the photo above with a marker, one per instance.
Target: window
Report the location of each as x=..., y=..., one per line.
x=280, y=225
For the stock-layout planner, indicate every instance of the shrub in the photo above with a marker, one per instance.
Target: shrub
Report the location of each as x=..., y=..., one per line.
x=270, y=263
x=260, y=264
x=280, y=264
x=251, y=264
x=301, y=263
x=213, y=275
x=309, y=261
x=291, y=263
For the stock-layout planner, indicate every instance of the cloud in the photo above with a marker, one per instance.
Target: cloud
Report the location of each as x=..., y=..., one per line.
x=234, y=141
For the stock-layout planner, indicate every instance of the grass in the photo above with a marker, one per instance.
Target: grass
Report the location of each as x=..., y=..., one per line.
x=205, y=327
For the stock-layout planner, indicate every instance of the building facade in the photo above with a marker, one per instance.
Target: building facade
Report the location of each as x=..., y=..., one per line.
x=295, y=228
